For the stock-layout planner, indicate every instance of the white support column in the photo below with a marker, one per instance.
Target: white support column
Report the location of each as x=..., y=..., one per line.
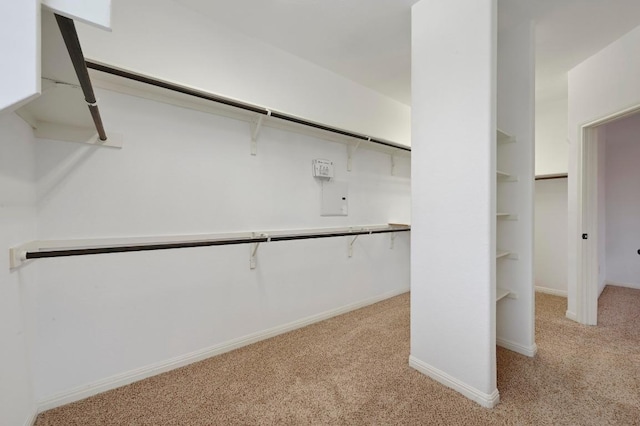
x=453, y=195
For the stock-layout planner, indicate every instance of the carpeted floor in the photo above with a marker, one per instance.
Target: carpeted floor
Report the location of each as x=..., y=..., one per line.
x=353, y=369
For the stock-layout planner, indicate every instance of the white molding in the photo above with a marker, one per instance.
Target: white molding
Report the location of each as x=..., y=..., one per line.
x=625, y=285
x=31, y=420
x=552, y=291
x=103, y=385
x=484, y=399
x=529, y=351
x=571, y=315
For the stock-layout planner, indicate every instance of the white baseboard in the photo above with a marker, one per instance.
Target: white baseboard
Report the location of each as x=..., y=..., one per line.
x=484, y=399
x=552, y=291
x=529, y=351
x=85, y=391
x=571, y=315
x=626, y=285
x=31, y=420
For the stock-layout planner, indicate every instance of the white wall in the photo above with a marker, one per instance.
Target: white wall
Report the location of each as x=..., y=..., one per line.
x=185, y=47
x=552, y=147
x=181, y=171
x=623, y=202
x=551, y=236
x=19, y=52
x=453, y=195
x=17, y=224
x=604, y=84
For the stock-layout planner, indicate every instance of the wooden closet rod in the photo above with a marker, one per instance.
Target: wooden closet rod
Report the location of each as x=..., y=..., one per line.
x=236, y=104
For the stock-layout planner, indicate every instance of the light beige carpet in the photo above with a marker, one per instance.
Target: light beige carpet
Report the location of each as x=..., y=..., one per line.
x=353, y=370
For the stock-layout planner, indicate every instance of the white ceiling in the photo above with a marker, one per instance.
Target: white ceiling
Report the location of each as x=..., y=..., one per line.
x=369, y=41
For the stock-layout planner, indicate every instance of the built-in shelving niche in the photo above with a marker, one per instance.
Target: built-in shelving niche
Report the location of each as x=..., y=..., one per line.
x=503, y=178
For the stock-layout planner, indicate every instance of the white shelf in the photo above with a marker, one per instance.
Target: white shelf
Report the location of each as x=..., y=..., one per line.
x=504, y=138
x=506, y=216
x=501, y=293
x=505, y=177
x=502, y=253
x=60, y=112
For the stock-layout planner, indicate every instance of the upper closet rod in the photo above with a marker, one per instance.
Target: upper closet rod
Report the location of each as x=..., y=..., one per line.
x=70, y=36
x=230, y=102
x=207, y=243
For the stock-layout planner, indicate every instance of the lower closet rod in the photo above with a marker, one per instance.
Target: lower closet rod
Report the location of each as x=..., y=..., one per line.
x=205, y=243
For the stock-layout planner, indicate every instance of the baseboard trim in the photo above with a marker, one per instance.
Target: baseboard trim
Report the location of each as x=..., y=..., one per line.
x=529, y=351
x=484, y=399
x=113, y=382
x=571, y=315
x=31, y=420
x=551, y=291
x=625, y=285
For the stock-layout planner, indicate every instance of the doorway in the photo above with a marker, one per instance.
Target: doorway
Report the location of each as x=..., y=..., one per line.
x=591, y=255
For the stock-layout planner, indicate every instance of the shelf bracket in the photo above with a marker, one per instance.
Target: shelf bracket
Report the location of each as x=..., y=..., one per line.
x=18, y=254
x=393, y=240
x=352, y=150
x=350, y=245
x=255, y=132
x=253, y=250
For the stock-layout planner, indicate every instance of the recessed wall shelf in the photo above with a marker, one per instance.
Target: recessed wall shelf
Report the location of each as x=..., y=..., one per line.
x=504, y=138
x=505, y=177
x=506, y=216
x=501, y=293
x=500, y=254
x=504, y=254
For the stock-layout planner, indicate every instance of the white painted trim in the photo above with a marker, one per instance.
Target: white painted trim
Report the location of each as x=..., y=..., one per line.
x=529, y=351
x=103, y=385
x=625, y=285
x=484, y=399
x=586, y=219
x=571, y=315
x=551, y=291
x=31, y=420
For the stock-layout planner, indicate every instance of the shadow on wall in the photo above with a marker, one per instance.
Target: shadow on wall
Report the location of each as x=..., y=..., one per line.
x=56, y=161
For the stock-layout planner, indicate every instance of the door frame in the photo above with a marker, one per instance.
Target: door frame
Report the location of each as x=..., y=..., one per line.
x=587, y=255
